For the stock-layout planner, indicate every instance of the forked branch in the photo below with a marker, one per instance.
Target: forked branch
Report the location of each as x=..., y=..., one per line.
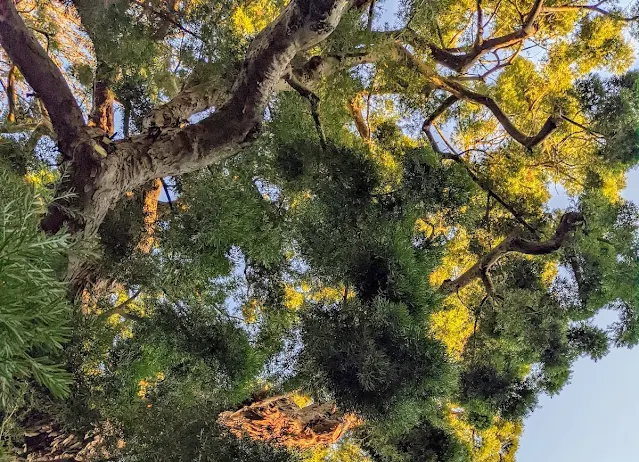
x=569, y=223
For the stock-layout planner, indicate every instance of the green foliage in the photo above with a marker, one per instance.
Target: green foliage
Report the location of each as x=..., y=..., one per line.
x=393, y=358
x=603, y=262
x=612, y=105
x=429, y=443
x=223, y=209
x=590, y=340
x=294, y=266
x=431, y=439
x=34, y=312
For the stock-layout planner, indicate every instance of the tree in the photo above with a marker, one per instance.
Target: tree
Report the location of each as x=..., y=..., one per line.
x=354, y=214
x=33, y=306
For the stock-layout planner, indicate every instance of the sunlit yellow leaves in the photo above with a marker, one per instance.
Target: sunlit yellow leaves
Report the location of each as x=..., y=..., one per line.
x=601, y=44
x=146, y=384
x=520, y=87
x=456, y=259
x=613, y=182
x=251, y=18
x=250, y=310
x=549, y=273
x=452, y=18
x=293, y=299
x=497, y=443
x=300, y=199
x=453, y=327
x=342, y=452
x=389, y=168
x=475, y=126
x=301, y=400
x=296, y=297
x=561, y=23
x=40, y=178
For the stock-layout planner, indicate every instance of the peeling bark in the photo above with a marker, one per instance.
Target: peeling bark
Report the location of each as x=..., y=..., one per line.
x=190, y=101
x=46, y=441
x=355, y=106
x=215, y=91
x=43, y=75
x=150, y=210
x=280, y=421
x=102, y=113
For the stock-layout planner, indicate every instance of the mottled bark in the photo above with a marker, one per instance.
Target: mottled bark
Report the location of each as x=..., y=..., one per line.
x=190, y=101
x=46, y=441
x=214, y=91
x=355, y=106
x=150, y=210
x=99, y=180
x=102, y=113
x=44, y=77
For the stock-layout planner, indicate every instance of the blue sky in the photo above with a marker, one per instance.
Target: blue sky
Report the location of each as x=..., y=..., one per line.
x=594, y=417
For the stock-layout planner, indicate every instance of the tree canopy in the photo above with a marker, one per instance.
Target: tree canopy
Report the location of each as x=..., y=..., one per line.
x=263, y=230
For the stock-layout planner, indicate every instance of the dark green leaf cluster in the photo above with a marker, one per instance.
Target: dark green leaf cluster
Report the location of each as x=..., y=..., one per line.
x=612, y=105
x=392, y=358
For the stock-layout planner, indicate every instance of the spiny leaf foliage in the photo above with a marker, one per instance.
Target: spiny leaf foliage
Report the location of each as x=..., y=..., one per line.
x=34, y=311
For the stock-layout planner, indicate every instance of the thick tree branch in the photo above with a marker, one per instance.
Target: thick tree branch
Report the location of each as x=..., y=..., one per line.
x=445, y=105
x=479, y=33
x=43, y=75
x=302, y=24
x=459, y=91
x=190, y=101
x=215, y=91
x=102, y=113
x=528, y=141
x=132, y=162
x=461, y=60
x=568, y=224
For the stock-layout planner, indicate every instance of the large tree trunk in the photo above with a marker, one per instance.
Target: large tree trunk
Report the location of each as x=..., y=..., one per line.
x=101, y=171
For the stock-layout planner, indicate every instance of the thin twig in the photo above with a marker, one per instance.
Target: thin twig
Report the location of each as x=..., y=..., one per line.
x=120, y=308
x=314, y=101
x=453, y=155
x=168, y=195
x=168, y=18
